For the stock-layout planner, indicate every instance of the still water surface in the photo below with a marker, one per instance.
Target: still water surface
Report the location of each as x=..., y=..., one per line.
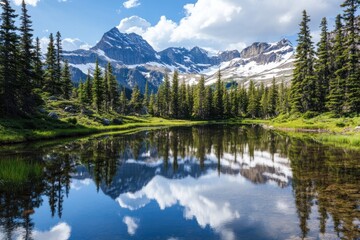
x=205, y=182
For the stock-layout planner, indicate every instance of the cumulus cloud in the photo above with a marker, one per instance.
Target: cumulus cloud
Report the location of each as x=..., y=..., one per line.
x=131, y=3
x=229, y=24
x=134, y=24
x=131, y=224
x=29, y=2
x=69, y=44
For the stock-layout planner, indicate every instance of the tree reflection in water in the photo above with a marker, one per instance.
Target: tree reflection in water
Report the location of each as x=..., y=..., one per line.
x=320, y=176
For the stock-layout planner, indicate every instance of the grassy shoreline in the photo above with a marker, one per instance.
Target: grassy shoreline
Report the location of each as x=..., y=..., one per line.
x=341, y=132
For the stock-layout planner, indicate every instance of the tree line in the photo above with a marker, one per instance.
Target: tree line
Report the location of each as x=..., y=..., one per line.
x=327, y=79
x=23, y=76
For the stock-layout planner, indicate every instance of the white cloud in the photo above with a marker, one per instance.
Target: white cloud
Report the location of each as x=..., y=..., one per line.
x=228, y=24
x=29, y=2
x=61, y=231
x=69, y=44
x=134, y=24
x=131, y=3
x=131, y=224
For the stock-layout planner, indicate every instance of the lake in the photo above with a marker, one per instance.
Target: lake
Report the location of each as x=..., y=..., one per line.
x=203, y=182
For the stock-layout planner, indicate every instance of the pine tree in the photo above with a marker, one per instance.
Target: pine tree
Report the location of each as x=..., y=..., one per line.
x=146, y=95
x=226, y=103
x=273, y=98
x=322, y=68
x=352, y=54
x=113, y=87
x=166, y=97
x=81, y=92
x=38, y=66
x=218, y=98
x=265, y=103
x=254, y=101
x=234, y=101
x=303, y=82
x=151, y=105
x=199, y=101
x=9, y=81
x=58, y=53
x=50, y=63
x=88, y=90
x=26, y=63
x=66, y=83
x=175, y=95
x=336, y=97
x=122, y=102
x=190, y=94
x=208, y=102
x=184, y=108
x=243, y=100
x=97, y=88
x=136, y=101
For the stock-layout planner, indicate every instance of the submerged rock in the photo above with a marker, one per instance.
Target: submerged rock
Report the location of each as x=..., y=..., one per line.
x=70, y=109
x=117, y=121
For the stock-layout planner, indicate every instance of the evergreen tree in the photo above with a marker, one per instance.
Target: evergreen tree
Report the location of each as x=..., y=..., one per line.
x=243, y=100
x=352, y=54
x=81, y=92
x=322, y=68
x=38, y=66
x=265, y=103
x=50, y=63
x=26, y=63
x=9, y=81
x=273, y=98
x=136, y=101
x=234, y=101
x=208, y=102
x=199, y=101
x=146, y=95
x=97, y=88
x=303, y=82
x=66, y=83
x=254, y=101
x=175, y=95
x=113, y=88
x=226, y=102
x=336, y=98
x=190, y=92
x=58, y=54
x=122, y=102
x=166, y=97
x=88, y=90
x=218, y=98
x=184, y=108
x=151, y=105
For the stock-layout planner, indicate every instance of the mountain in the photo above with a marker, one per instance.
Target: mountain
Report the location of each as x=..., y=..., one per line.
x=135, y=61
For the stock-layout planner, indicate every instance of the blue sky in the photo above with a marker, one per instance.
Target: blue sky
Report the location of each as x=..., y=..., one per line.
x=212, y=24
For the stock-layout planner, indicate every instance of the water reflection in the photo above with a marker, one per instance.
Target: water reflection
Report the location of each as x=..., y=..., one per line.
x=232, y=182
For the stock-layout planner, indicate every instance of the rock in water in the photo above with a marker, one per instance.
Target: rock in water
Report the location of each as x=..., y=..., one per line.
x=53, y=115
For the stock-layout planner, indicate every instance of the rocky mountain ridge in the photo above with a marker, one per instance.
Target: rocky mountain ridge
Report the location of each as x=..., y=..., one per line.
x=135, y=61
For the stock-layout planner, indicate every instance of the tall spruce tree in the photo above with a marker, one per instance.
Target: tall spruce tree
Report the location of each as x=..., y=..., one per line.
x=322, y=68
x=9, y=82
x=66, y=83
x=26, y=63
x=136, y=101
x=146, y=95
x=175, y=95
x=88, y=90
x=97, y=88
x=303, y=81
x=58, y=70
x=166, y=96
x=50, y=63
x=273, y=99
x=38, y=66
x=336, y=98
x=122, y=102
x=199, y=101
x=112, y=88
x=218, y=98
x=352, y=54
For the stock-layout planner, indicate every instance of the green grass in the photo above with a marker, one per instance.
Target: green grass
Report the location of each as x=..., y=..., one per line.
x=16, y=171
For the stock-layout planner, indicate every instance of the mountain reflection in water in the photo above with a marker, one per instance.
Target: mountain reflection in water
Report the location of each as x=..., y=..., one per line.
x=204, y=182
